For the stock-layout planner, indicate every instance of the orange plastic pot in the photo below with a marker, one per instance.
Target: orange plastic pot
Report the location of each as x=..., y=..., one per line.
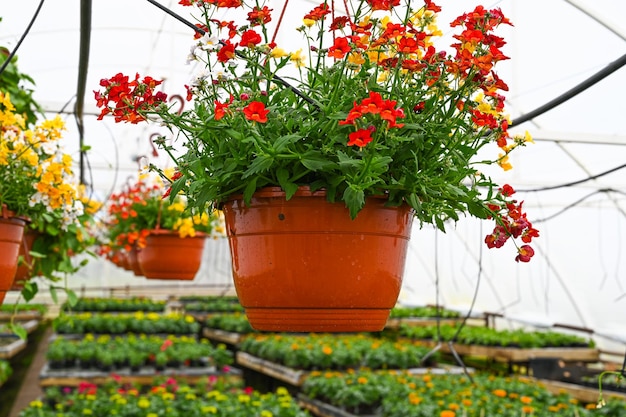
x=25, y=267
x=304, y=266
x=168, y=256
x=11, y=233
x=133, y=261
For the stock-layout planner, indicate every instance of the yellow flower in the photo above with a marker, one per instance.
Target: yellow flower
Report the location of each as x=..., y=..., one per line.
x=143, y=402
x=308, y=22
x=278, y=53
x=35, y=403
x=208, y=409
x=297, y=58
x=266, y=413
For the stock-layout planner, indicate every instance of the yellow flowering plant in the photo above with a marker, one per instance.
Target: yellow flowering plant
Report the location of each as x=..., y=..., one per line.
x=367, y=105
x=37, y=183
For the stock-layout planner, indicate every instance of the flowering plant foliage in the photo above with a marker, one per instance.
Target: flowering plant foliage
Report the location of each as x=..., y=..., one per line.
x=219, y=397
x=396, y=394
x=37, y=182
x=367, y=106
x=141, y=207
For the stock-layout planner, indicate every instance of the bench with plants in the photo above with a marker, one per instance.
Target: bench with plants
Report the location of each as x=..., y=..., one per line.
x=22, y=311
x=122, y=323
x=291, y=357
x=511, y=346
x=202, y=308
x=172, y=397
x=228, y=328
x=134, y=356
x=400, y=394
x=11, y=345
x=110, y=305
x=421, y=316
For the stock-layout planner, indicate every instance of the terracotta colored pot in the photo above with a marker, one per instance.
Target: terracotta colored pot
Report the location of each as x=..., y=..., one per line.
x=11, y=233
x=133, y=261
x=168, y=256
x=304, y=266
x=24, y=268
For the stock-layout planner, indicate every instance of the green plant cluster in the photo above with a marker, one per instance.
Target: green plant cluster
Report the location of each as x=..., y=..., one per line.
x=22, y=307
x=185, y=299
x=235, y=322
x=168, y=399
x=485, y=336
x=5, y=371
x=325, y=351
x=399, y=394
x=214, y=305
x=117, y=304
x=108, y=323
x=136, y=350
x=422, y=312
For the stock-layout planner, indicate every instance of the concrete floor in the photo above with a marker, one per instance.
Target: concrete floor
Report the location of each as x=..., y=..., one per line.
x=30, y=389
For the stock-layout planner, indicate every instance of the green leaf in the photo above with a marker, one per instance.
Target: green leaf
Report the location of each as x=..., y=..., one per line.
x=260, y=164
x=19, y=330
x=249, y=190
x=30, y=290
x=289, y=187
x=282, y=142
x=315, y=161
x=414, y=202
x=53, y=294
x=355, y=200
x=477, y=210
x=72, y=298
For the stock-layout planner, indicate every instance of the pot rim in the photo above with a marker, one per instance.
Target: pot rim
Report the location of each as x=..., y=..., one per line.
x=163, y=232
x=277, y=191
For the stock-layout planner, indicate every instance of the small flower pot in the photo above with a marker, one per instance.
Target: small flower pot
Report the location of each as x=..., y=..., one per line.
x=11, y=233
x=168, y=256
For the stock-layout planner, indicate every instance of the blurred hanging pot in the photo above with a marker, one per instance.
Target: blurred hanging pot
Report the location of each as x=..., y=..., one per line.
x=27, y=262
x=169, y=256
x=11, y=233
x=133, y=261
x=303, y=265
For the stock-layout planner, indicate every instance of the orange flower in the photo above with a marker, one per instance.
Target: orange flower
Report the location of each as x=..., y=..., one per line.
x=447, y=413
x=499, y=393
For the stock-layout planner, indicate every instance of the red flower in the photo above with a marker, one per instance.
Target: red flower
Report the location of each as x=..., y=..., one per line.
x=360, y=138
x=339, y=23
x=250, y=39
x=524, y=254
x=256, y=112
x=318, y=13
x=220, y=108
x=383, y=4
x=340, y=48
x=507, y=190
x=259, y=16
x=226, y=52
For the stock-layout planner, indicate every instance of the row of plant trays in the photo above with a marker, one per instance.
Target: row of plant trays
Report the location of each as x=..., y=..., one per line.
x=398, y=394
x=143, y=375
x=22, y=312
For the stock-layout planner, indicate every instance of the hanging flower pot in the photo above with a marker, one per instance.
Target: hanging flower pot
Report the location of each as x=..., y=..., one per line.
x=11, y=232
x=169, y=256
x=25, y=267
x=303, y=265
x=133, y=261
